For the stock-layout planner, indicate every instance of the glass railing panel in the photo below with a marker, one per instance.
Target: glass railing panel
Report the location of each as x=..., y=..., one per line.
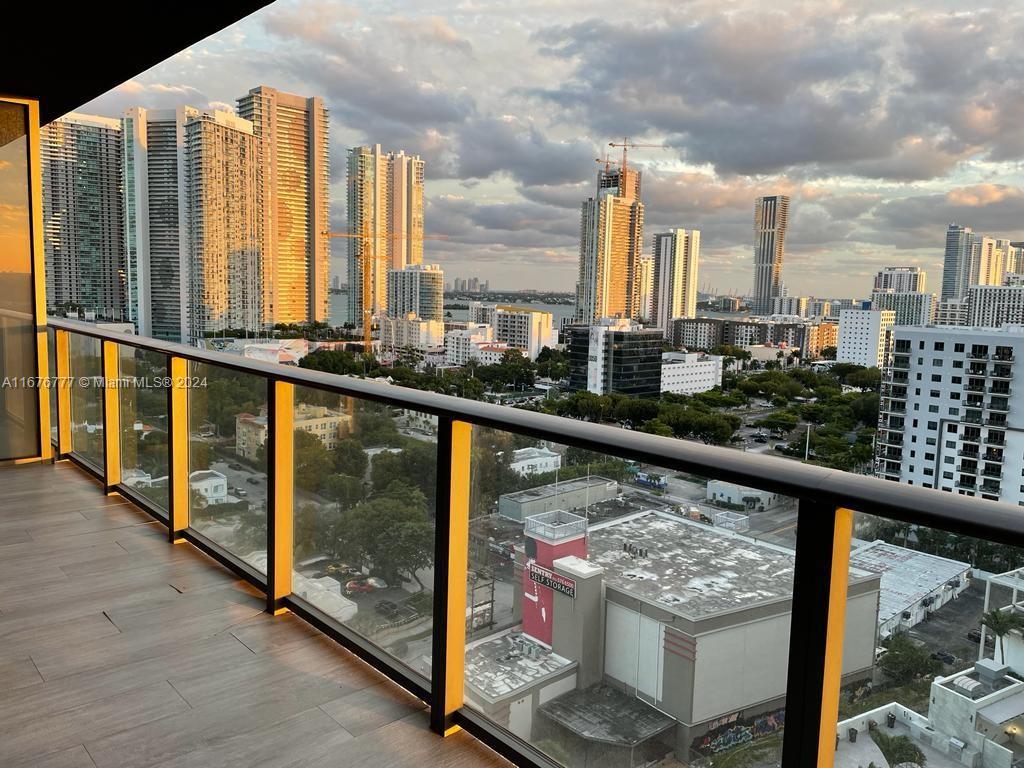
x=364, y=519
x=227, y=417
x=625, y=614
x=143, y=391
x=51, y=352
x=86, y=384
x=946, y=684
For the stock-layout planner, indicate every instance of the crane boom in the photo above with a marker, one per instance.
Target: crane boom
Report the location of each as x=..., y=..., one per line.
x=626, y=144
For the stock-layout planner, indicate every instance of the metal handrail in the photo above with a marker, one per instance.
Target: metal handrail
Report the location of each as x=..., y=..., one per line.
x=971, y=516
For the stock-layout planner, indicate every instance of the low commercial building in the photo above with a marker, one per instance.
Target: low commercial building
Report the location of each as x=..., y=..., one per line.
x=740, y=496
x=914, y=584
x=687, y=373
x=534, y=461
x=649, y=636
x=615, y=356
x=575, y=494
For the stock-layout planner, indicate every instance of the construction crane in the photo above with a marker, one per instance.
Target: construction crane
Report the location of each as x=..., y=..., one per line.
x=626, y=145
x=369, y=256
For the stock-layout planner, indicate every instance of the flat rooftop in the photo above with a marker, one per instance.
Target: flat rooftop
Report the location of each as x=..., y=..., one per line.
x=690, y=568
x=605, y=714
x=555, y=489
x=908, y=576
x=500, y=665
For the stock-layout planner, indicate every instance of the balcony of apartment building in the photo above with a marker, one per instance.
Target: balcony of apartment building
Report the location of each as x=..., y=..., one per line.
x=189, y=578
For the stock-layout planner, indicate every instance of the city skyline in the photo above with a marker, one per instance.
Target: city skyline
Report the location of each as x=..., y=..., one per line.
x=510, y=149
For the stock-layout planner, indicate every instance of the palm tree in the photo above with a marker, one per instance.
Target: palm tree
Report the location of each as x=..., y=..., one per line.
x=1001, y=623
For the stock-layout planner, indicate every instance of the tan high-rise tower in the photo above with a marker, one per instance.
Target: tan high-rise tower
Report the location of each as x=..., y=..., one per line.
x=294, y=182
x=611, y=242
x=385, y=203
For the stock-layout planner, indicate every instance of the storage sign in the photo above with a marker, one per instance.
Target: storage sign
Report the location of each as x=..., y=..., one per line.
x=552, y=580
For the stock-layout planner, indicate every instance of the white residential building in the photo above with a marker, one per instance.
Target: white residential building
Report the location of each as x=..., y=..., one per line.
x=83, y=215
x=946, y=416
x=901, y=280
x=409, y=333
x=459, y=343
x=911, y=307
x=687, y=373
x=790, y=306
x=676, y=261
x=419, y=290
x=527, y=329
x=952, y=312
x=156, y=225
x=993, y=306
x=535, y=461
x=864, y=336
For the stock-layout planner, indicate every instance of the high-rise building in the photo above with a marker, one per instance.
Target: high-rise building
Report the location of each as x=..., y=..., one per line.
x=993, y=306
x=911, y=307
x=865, y=336
x=385, y=205
x=416, y=290
x=901, y=279
x=82, y=214
x=615, y=356
x=293, y=188
x=611, y=241
x=1015, y=258
x=645, y=278
x=676, y=258
x=220, y=163
x=946, y=417
x=771, y=218
x=972, y=259
x=156, y=234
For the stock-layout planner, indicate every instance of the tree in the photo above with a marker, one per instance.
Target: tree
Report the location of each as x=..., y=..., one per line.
x=390, y=533
x=906, y=662
x=866, y=378
x=1002, y=623
x=828, y=353
x=415, y=464
x=312, y=461
x=350, y=459
x=344, y=490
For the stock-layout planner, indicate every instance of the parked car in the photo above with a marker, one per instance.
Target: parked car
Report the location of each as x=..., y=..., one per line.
x=385, y=607
x=235, y=466
x=243, y=493
x=252, y=480
x=377, y=583
x=975, y=637
x=944, y=656
x=361, y=586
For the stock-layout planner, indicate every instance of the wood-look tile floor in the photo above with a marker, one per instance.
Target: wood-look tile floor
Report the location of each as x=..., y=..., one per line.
x=119, y=650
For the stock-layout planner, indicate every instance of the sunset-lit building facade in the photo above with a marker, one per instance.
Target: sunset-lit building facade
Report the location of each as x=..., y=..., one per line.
x=221, y=158
x=385, y=204
x=611, y=242
x=293, y=199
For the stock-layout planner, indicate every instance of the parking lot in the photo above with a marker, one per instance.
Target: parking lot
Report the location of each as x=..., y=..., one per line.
x=947, y=628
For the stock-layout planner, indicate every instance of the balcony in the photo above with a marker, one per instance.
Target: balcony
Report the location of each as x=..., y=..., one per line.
x=1000, y=372
x=124, y=648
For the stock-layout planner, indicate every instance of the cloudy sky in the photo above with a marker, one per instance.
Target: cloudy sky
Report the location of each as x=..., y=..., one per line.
x=885, y=121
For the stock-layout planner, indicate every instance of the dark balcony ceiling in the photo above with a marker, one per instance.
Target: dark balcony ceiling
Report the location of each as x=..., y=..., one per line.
x=67, y=54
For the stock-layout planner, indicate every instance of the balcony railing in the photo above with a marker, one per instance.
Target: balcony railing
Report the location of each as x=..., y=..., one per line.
x=225, y=453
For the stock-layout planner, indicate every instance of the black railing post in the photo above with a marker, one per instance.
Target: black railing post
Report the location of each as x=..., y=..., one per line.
x=820, y=577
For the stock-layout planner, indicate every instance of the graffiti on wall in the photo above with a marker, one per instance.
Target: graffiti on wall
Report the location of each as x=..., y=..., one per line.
x=732, y=734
